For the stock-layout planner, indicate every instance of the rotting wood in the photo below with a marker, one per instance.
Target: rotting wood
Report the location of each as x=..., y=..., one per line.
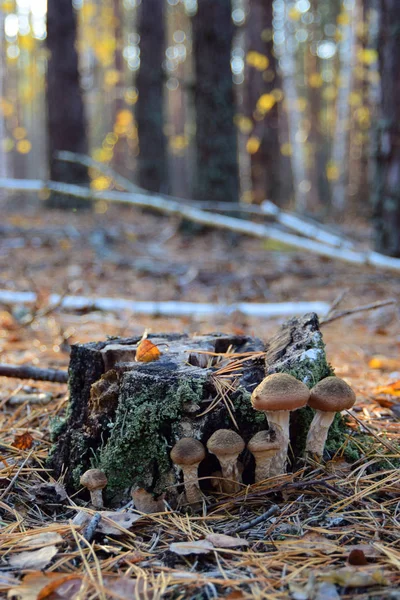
x=125, y=416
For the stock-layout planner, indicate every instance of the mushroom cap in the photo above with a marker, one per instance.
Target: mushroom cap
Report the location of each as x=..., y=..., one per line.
x=280, y=391
x=225, y=442
x=264, y=441
x=94, y=479
x=331, y=394
x=188, y=451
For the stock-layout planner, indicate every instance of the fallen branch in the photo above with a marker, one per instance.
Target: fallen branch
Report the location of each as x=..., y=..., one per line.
x=334, y=315
x=271, y=512
x=196, y=215
x=304, y=226
x=177, y=309
x=28, y=372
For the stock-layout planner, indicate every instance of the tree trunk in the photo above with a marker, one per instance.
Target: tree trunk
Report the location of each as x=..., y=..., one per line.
x=265, y=163
x=152, y=159
x=387, y=180
x=217, y=174
x=66, y=115
x=125, y=416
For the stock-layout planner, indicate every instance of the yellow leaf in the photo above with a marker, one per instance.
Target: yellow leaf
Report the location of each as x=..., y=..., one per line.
x=368, y=56
x=124, y=117
x=257, y=60
x=147, y=352
x=253, y=144
x=19, y=133
x=393, y=389
x=343, y=19
x=24, y=147
x=332, y=171
x=286, y=149
x=100, y=183
x=265, y=103
x=382, y=362
x=315, y=80
x=294, y=14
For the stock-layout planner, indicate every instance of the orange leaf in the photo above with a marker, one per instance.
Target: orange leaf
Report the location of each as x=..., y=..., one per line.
x=383, y=362
x=147, y=352
x=23, y=441
x=393, y=389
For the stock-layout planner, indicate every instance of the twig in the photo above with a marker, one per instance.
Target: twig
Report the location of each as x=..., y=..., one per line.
x=90, y=529
x=196, y=215
x=304, y=226
x=274, y=510
x=28, y=372
x=352, y=311
x=173, y=308
x=336, y=302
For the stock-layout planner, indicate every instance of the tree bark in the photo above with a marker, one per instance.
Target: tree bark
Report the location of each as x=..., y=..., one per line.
x=66, y=115
x=152, y=159
x=386, y=197
x=125, y=416
x=217, y=174
x=265, y=164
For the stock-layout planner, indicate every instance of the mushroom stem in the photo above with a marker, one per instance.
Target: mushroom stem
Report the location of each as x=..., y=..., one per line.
x=279, y=419
x=263, y=469
x=191, y=483
x=96, y=498
x=230, y=473
x=318, y=432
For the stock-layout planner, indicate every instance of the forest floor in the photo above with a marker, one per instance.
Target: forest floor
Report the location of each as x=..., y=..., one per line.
x=302, y=552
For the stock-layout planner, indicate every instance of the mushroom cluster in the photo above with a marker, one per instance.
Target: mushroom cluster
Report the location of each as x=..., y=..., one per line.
x=277, y=396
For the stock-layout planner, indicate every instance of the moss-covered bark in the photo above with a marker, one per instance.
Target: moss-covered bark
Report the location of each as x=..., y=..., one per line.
x=124, y=417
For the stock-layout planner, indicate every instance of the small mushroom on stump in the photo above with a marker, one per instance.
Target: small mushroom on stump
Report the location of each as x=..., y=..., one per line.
x=264, y=446
x=95, y=481
x=227, y=445
x=276, y=396
x=329, y=396
x=188, y=454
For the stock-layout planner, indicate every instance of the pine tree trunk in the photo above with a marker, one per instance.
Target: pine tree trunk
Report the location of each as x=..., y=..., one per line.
x=66, y=115
x=217, y=175
x=152, y=159
x=265, y=163
x=387, y=181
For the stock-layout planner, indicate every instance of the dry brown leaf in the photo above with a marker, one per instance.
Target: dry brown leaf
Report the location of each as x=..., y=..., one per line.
x=35, y=559
x=47, y=538
x=220, y=540
x=122, y=520
x=310, y=543
x=147, y=352
x=356, y=577
x=23, y=441
x=197, y=547
x=38, y=585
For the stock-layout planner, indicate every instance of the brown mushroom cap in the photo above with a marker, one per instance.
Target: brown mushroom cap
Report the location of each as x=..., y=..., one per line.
x=224, y=442
x=280, y=391
x=332, y=394
x=187, y=451
x=94, y=479
x=263, y=441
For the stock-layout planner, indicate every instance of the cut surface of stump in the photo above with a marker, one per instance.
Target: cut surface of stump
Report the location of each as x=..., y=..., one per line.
x=125, y=416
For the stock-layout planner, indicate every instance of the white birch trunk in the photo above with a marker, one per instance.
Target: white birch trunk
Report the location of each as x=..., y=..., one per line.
x=340, y=148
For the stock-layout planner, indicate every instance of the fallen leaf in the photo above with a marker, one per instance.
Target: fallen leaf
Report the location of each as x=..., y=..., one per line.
x=197, y=547
x=147, y=352
x=309, y=544
x=38, y=585
x=356, y=577
x=23, y=441
x=384, y=363
x=49, y=493
x=47, y=538
x=393, y=389
x=122, y=521
x=220, y=540
x=35, y=559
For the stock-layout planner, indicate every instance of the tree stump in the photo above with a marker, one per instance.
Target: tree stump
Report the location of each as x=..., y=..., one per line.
x=125, y=416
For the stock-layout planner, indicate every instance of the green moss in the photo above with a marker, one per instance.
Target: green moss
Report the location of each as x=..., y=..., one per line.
x=137, y=451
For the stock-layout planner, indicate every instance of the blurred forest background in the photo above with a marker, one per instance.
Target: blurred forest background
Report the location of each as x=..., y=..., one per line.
x=297, y=102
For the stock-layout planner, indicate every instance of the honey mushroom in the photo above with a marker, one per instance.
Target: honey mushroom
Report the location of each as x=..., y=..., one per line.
x=227, y=445
x=188, y=454
x=329, y=396
x=264, y=446
x=277, y=395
